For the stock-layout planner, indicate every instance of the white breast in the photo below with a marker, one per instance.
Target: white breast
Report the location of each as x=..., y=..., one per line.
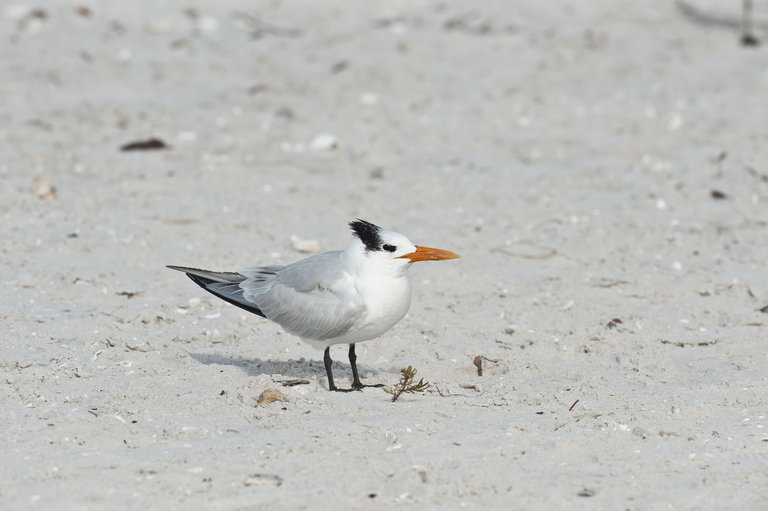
x=386, y=299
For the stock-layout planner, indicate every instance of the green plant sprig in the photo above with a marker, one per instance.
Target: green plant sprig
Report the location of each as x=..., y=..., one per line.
x=406, y=384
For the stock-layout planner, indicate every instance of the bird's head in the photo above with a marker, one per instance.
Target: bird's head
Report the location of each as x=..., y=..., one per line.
x=380, y=245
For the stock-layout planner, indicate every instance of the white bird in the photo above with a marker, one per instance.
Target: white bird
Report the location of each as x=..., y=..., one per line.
x=345, y=296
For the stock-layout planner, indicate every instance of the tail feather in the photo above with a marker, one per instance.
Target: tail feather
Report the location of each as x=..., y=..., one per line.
x=214, y=276
x=225, y=285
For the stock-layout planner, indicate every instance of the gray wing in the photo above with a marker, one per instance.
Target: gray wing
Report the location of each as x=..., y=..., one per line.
x=313, y=298
x=224, y=284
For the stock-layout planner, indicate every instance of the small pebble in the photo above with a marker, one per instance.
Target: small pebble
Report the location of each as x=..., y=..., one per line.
x=324, y=142
x=675, y=122
x=43, y=188
x=270, y=396
x=369, y=98
x=638, y=431
x=253, y=479
x=717, y=194
x=208, y=24
x=304, y=246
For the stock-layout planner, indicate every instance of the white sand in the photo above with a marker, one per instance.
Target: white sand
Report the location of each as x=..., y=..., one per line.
x=568, y=151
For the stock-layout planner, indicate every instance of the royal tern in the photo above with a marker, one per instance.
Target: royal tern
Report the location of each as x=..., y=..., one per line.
x=340, y=297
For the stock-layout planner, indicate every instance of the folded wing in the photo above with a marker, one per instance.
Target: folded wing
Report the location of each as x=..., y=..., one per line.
x=312, y=299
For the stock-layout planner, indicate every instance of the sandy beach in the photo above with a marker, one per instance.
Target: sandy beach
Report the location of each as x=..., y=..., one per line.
x=601, y=167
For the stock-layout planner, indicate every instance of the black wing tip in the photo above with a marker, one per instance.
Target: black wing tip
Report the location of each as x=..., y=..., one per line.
x=206, y=284
x=368, y=233
x=200, y=281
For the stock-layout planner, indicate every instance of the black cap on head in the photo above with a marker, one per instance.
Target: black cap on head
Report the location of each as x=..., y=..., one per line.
x=368, y=233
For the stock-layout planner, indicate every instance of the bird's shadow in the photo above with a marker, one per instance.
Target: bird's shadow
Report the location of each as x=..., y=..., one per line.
x=291, y=369
x=746, y=24
x=707, y=19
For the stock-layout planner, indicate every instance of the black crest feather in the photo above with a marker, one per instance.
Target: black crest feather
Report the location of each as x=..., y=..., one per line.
x=368, y=233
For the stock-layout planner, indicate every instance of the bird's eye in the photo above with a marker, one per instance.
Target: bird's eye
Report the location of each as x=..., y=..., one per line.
x=389, y=248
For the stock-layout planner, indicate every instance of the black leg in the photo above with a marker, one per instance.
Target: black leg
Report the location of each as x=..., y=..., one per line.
x=327, y=360
x=747, y=35
x=356, y=384
x=353, y=362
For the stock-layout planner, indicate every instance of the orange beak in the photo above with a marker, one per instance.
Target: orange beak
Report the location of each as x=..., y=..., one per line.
x=429, y=254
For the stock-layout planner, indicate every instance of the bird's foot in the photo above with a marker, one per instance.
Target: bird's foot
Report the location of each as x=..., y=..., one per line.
x=356, y=386
x=360, y=386
x=336, y=389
